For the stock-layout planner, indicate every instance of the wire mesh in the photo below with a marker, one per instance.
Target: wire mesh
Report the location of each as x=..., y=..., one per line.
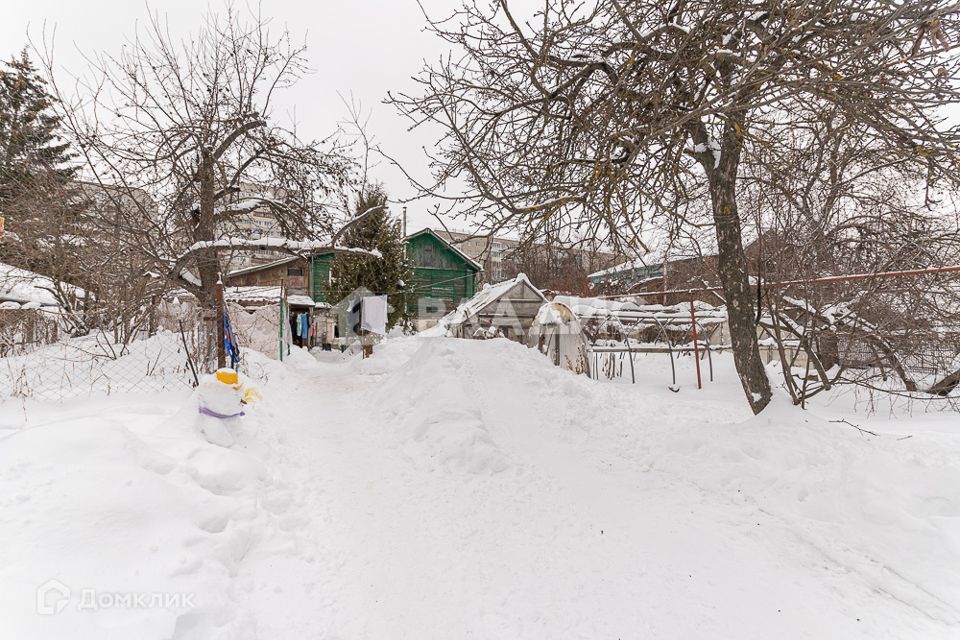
x=57, y=368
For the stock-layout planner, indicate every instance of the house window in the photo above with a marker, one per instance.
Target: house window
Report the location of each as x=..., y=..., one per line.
x=429, y=256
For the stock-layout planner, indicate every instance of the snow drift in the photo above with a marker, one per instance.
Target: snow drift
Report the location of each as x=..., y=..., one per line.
x=454, y=488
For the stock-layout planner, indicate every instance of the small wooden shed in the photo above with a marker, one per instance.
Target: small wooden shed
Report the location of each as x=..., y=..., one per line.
x=504, y=309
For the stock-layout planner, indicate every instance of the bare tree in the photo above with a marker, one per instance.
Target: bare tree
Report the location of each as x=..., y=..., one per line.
x=551, y=264
x=615, y=114
x=182, y=139
x=829, y=200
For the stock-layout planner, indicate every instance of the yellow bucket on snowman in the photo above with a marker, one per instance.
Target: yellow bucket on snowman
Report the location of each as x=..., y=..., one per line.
x=223, y=395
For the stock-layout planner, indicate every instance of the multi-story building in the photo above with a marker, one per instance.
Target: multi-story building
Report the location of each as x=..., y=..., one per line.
x=251, y=224
x=503, y=258
x=488, y=251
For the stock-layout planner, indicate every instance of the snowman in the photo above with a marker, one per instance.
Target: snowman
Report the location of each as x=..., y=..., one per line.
x=222, y=397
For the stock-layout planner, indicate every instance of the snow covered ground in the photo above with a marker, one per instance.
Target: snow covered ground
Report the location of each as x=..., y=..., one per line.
x=459, y=489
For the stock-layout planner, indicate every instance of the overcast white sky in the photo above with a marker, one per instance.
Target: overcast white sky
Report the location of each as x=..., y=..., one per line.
x=362, y=47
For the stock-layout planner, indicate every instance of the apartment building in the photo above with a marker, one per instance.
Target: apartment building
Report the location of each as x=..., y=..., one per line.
x=491, y=252
x=252, y=225
x=502, y=258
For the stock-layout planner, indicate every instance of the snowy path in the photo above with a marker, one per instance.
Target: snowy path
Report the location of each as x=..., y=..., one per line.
x=456, y=504
x=457, y=489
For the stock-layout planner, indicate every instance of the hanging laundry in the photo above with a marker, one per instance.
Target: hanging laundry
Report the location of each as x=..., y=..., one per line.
x=374, y=314
x=304, y=325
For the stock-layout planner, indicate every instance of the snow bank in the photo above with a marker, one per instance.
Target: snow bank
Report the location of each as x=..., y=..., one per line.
x=435, y=425
x=456, y=488
x=115, y=501
x=874, y=518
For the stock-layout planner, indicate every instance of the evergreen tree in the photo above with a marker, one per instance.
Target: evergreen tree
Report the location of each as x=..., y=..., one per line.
x=30, y=147
x=389, y=275
x=42, y=206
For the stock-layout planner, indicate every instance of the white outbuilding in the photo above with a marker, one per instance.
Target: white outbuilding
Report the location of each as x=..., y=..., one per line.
x=556, y=333
x=505, y=309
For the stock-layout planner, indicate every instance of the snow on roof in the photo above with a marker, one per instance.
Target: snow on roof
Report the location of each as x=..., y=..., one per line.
x=31, y=290
x=555, y=314
x=300, y=300
x=267, y=294
x=623, y=266
x=251, y=294
x=595, y=306
x=259, y=267
x=488, y=294
x=598, y=308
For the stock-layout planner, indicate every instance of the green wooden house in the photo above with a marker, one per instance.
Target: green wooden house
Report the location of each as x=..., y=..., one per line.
x=443, y=276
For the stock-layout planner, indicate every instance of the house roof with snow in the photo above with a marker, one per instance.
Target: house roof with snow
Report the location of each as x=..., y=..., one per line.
x=260, y=267
x=30, y=290
x=517, y=292
x=623, y=267
x=267, y=294
x=628, y=311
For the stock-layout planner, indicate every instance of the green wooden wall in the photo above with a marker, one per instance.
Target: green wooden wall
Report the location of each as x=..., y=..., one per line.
x=319, y=277
x=440, y=274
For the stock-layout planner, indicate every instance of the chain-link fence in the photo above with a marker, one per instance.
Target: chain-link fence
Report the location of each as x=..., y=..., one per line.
x=39, y=360
x=23, y=330
x=56, y=367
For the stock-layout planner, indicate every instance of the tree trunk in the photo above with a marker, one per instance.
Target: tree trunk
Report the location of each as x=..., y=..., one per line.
x=732, y=268
x=208, y=264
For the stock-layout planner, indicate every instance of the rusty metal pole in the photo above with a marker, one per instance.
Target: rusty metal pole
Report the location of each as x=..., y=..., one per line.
x=221, y=349
x=852, y=277
x=696, y=346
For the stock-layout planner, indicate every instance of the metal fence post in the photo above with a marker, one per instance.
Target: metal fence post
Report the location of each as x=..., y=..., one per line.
x=696, y=347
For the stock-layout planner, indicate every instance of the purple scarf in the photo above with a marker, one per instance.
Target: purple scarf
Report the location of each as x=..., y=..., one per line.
x=222, y=416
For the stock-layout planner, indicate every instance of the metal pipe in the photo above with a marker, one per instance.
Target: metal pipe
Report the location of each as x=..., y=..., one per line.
x=710, y=359
x=696, y=346
x=673, y=368
x=633, y=377
x=722, y=347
